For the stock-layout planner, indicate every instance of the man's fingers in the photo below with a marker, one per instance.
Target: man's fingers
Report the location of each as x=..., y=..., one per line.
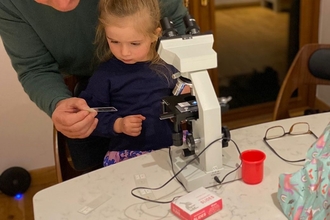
x=71, y=118
x=80, y=129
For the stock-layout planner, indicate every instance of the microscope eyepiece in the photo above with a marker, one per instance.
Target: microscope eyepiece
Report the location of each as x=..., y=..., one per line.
x=168, y=28
x=191, y=25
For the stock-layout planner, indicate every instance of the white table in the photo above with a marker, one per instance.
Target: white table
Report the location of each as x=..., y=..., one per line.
x=240, y=201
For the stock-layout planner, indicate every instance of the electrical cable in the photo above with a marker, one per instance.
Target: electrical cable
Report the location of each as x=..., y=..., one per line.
x=170, y=156
x=176, y=174
x=216, y=178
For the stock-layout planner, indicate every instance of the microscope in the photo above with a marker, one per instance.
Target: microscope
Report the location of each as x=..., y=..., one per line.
x=192, y=54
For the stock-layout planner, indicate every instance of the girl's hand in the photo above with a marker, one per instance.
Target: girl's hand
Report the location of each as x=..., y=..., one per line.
x=130, y=125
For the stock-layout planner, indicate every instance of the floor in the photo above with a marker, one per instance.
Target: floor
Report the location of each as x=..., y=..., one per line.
x=22, y=209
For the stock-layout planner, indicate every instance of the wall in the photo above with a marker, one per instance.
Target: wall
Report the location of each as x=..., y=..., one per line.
x=25, y=131
x=324, y=38
x=324, y=30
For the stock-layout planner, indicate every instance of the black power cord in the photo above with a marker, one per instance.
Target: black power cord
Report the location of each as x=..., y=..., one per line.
x=176, y=174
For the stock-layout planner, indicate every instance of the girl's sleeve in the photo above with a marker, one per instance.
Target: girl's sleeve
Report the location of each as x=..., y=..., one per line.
x=97, y=94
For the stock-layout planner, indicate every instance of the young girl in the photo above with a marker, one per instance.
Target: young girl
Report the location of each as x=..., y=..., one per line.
x=131, y=78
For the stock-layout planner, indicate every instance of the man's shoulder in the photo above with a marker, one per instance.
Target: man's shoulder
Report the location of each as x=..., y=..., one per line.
x=169, y=4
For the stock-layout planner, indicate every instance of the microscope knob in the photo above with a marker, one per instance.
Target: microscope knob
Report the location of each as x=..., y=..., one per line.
x=190, y=141
x=186, y=152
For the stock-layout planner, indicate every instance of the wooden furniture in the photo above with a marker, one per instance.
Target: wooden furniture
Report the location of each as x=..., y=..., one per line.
x=302, y=84
x=308, y=16
x=63, y=163
x=74, y=157
x=111, y=186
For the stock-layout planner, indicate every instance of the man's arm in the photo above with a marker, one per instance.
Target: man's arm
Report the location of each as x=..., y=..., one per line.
x=36, y=68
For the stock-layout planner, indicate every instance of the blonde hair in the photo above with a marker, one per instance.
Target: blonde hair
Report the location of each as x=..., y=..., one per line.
x=145, y=9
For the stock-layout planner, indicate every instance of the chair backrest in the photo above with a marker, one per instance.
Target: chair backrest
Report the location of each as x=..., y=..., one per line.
x=311, y=67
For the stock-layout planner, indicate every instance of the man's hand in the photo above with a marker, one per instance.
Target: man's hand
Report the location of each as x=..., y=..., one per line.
x=72, y=119
x=130, y=125
x=60, y=5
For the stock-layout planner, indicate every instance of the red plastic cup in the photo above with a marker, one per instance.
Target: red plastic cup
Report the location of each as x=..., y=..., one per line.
x=252, y=166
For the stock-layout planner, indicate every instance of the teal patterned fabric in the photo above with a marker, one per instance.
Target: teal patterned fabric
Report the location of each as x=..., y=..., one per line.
x=305, y=194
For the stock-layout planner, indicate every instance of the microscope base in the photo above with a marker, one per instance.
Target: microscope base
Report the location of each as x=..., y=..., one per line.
x=192, y=177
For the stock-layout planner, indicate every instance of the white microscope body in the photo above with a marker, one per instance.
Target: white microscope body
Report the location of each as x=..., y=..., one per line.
x=192, y=55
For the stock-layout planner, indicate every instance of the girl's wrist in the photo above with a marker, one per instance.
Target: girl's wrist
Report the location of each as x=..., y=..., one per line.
x=117, y=125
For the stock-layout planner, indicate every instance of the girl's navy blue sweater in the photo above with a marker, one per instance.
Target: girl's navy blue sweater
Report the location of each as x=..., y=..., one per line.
x=132, y=89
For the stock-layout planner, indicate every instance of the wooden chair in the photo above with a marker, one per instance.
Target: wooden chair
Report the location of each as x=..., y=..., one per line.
x=311, y=67
x=63, y=162
x=74, y=157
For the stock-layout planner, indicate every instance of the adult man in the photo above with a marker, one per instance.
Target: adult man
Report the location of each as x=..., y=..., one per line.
x=47, y=39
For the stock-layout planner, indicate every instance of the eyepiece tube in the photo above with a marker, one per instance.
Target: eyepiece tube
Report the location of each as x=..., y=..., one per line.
x=168, y=28
x=191, y=25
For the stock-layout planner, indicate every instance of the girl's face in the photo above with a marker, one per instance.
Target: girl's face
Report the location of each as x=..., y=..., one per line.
x=60, y=5
x=127, y=43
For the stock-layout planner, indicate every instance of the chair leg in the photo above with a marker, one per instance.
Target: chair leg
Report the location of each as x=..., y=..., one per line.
x=67, y=170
